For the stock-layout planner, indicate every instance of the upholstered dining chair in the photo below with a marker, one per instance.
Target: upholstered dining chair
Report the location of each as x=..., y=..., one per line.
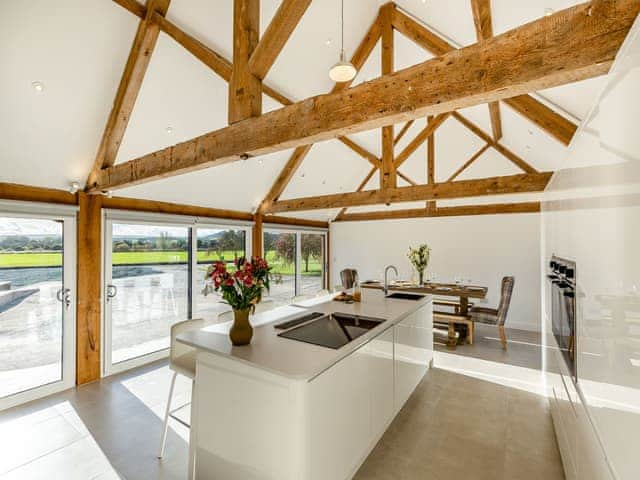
x=492, y=316
x=348, y=277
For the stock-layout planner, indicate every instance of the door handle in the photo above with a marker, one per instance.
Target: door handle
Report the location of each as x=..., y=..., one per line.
x=64, y=296
x=112, y=291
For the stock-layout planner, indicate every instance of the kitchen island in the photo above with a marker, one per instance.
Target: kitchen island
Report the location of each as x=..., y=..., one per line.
x=286, y=409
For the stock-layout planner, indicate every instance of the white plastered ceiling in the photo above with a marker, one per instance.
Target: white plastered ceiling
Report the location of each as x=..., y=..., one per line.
x=78, y=48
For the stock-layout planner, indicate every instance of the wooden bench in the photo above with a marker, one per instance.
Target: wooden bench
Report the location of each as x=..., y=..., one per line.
x=451, y=320
x=455, y=304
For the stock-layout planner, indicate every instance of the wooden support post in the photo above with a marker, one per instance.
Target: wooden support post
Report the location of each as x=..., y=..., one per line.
x=89, y=289
x=245, y=90
x=431, y=162
x=484, y=30
x=388, y=175
x=256, y=236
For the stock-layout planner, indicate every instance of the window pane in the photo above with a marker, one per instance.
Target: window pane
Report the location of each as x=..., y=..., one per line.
x=150, y=271
x=312, y=265
x=280, y=252
x=214, y=245
x=30, y=314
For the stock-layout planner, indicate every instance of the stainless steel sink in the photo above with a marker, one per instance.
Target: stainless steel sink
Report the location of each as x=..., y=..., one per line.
x=405, y=296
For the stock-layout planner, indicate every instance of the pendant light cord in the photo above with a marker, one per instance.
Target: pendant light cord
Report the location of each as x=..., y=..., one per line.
x=342, y=26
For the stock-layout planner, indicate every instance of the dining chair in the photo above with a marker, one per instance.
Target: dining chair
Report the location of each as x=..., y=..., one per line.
x=496, y=316
x=348, y=277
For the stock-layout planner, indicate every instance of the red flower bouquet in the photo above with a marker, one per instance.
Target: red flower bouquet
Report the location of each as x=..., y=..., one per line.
x=242, y=288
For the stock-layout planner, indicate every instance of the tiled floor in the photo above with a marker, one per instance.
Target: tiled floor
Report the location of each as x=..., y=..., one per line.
x=476, y=415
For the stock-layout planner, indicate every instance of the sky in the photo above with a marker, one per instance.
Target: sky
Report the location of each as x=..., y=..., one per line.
x=28, y=226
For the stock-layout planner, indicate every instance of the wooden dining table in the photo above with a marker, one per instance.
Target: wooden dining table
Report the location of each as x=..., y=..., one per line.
x=438, y=289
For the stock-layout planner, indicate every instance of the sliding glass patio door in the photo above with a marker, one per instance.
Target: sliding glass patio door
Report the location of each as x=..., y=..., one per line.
x=147, y=289
x=37, y=303
x=154, y=276
x=298, y=263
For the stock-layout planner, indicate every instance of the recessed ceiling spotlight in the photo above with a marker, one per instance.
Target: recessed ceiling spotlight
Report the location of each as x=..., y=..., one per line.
x=260, y=161
x=324, y=181
x=302, y=175
x=328, y=42
x=424, y=1
x=528, y=147
x=38, y=87
x=73, y=189
x=530, y=132
x=169, y=130
x=548, y=12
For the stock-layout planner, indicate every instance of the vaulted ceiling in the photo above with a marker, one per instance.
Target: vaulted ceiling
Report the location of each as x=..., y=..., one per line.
x=77, y=49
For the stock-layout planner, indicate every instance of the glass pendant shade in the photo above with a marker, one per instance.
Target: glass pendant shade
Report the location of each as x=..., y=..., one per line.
x=343, y=71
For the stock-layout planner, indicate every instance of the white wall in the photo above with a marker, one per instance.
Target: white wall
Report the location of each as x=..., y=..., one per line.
x=593, y=217
x=482, y=248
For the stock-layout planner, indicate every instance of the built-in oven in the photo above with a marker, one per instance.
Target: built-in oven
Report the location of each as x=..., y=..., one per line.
x=562, y=276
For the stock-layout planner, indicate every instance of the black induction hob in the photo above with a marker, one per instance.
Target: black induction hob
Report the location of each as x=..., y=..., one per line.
x=333, y=330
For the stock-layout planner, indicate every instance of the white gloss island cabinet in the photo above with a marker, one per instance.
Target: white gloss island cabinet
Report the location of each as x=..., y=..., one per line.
x=288, y=410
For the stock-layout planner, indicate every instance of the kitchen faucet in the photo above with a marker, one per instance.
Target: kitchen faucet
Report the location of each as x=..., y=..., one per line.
x=385, y=288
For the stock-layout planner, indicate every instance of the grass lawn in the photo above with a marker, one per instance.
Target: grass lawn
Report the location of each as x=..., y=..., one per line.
x=39, y=259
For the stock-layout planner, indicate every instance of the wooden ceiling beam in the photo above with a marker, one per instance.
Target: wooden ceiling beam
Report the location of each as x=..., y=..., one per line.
x=431, y=162
x=299, y=154
x=573, y=44
x=223, y=67
x=421, y=138
x=402, y=132
x=143, y=45
x=546, y=118
x=455, y=211
x=360, y=188
x=388, y=173
x=245, y=89
x=363, y=152
x=276, y=35
x=515, y=159
x=466, y=164
x=522, y=183
x=285, y=176
x=484, y=30
x=202, y=52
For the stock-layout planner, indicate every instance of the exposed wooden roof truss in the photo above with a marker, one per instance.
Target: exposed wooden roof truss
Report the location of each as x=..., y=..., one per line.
x=576, y=43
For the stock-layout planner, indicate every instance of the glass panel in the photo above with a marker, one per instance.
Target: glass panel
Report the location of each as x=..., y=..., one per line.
x=30, y=314
x=312, y=264
x=213, y=245
x=150, y=271
x=280, y=252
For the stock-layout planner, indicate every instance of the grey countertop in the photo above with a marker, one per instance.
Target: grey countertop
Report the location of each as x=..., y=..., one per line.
x=291, y=358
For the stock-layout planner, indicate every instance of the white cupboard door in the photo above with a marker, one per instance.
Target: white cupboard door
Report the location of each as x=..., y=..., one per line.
x=379, y=355
x=339, y=420
x=413, y=353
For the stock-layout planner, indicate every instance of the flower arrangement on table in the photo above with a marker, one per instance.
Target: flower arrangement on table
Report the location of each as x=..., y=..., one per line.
x=419, y=258
x=242, y=289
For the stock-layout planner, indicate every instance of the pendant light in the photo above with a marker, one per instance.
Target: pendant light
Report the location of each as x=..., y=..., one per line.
x=343, y=71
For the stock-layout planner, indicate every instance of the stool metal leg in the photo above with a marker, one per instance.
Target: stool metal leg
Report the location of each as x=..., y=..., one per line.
x=166, y=416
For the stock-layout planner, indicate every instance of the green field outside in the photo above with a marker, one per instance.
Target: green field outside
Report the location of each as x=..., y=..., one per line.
x=40, y=259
